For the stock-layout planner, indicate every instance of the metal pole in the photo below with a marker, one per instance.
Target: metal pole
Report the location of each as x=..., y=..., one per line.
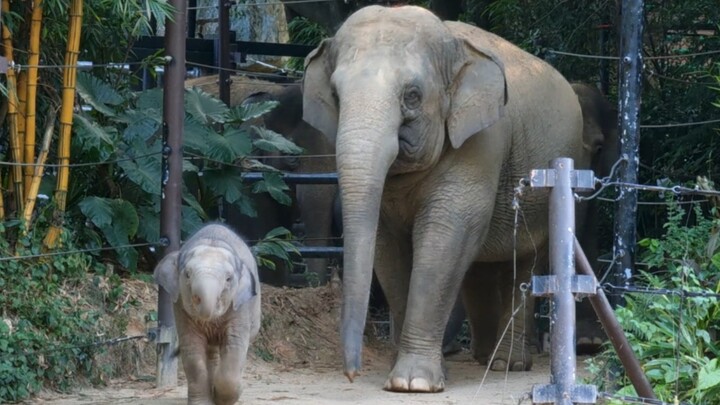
x=562, y=264
x=171, y=197
x=223, y=53
x=192, y=18
x=614, y=331
x=630, y=87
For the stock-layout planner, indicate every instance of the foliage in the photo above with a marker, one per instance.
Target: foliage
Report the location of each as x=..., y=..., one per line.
x=305, y=32
x=44, y=309
x=675, y=337
x=122, y=202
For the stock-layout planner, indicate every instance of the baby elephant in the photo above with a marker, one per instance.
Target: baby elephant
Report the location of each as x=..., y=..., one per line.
x=215, y=276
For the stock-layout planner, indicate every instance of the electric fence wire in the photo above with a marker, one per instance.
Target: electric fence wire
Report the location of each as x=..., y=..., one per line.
x=246, y=72
x=588, y=56
x=259, y=4
x=84, y=164
x=637, y=400
x=88, y=250
x=59, y=349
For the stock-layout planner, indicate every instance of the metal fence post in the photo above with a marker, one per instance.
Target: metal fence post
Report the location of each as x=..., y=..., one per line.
x=631, y=67
x=562, y=283
x=171, y=197
x=223, y=53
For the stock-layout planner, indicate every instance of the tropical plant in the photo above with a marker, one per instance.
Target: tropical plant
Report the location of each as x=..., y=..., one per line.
x=305, y=32
x=122, y=200
x=674, y=334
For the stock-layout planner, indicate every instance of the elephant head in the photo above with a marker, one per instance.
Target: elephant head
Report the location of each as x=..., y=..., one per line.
x=394, y=89
x=207, y=279
x=600, y=136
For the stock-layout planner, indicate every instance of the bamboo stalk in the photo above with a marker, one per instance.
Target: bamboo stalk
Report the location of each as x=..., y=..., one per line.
x=66, y=116
x=2, y=198
x=21, y=79
x=32, y=79
x=38, y=171
x=12, y=111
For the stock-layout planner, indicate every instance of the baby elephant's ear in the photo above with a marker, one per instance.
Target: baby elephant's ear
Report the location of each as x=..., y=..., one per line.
x=247, y=284
x=166, y=274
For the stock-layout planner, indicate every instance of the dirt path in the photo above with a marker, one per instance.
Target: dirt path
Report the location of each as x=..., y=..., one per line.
x=267, y=383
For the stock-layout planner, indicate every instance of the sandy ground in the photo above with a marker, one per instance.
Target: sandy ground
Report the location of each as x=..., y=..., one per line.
x=268, y=383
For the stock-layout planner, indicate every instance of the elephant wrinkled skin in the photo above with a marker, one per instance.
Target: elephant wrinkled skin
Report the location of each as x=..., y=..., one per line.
x=214, y=284
x=434, y=124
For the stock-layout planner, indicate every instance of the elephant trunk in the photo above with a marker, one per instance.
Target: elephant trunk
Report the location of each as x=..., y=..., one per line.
x=365, y=150
x=205, y=298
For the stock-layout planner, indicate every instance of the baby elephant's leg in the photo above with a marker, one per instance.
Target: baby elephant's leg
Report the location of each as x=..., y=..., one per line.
x=227, y=383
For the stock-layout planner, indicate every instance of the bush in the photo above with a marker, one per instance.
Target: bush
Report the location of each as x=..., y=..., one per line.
x=45, y=308
x=675, y=338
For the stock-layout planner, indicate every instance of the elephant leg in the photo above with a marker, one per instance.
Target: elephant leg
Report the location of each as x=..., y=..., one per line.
x=213, y=361
x=453, y=328
x=516, y=326
x=481, y=298
x=393, y=262
x=193, y=351
x=441, y=255
x=227, y=385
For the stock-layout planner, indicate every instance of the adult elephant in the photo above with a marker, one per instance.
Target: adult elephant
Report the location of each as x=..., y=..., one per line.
x=313, y=203
x=434, y=124
x=600, y=147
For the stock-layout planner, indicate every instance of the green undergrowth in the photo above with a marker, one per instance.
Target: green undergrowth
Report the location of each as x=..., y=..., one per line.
x=675, y=337
x=53, y=309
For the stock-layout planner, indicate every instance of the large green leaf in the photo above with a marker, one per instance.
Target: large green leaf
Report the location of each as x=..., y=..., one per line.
x=99, y=94
x=271, y=141
x=195, y=137
x=204, y=107
x=141, y=124
x=225, y=182
x=118, y=221
x=245, y=112
x=150, y=99
x=149, y=225
x=191, y=221
x=93, y=135
x=97, y=210
x=709, y=375
x=239, y=140
x=193, y=203
x=273, y=184
x=144, y=171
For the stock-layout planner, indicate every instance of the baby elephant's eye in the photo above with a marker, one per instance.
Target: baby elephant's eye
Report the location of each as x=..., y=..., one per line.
x=228, y=279
x=187, y=274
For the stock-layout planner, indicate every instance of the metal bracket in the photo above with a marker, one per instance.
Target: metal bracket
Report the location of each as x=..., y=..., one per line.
x=3, y=64
x=580, y=179
x=580, y=393
x=166, y=335
x=545, y=286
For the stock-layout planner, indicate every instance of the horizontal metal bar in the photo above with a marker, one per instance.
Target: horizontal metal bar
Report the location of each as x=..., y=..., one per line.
x=296, y=178
x=314, y=252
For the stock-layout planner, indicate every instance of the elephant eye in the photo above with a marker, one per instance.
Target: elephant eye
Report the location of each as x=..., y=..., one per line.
x=228, y=279
x=412, y=98
x=187, y=274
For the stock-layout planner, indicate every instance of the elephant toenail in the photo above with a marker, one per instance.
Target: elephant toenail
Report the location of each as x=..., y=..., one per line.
x=196, y=300
x=419, y=385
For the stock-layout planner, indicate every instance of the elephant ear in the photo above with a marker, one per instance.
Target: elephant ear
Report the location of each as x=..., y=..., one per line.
x=247, y=284
x=166, y=274
x=319, y=105
x=478, y=94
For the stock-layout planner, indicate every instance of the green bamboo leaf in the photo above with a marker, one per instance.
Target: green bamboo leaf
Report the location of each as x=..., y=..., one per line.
x=271, y=141
x=204, y=107
x=100, y=95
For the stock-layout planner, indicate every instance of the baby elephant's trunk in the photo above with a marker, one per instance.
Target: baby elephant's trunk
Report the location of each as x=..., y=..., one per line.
x=205, y=298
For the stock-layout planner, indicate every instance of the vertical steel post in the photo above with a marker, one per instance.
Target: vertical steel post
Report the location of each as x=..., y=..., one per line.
x=562, y=283
x=171, y=197
x=629, y=96
x=192, y=18
x=562, y=265
x=223, y=51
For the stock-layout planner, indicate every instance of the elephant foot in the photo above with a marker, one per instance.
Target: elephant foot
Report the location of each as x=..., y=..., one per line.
x=416, y=373
x=501, y=365
x=590, y=337
x=519, y=360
